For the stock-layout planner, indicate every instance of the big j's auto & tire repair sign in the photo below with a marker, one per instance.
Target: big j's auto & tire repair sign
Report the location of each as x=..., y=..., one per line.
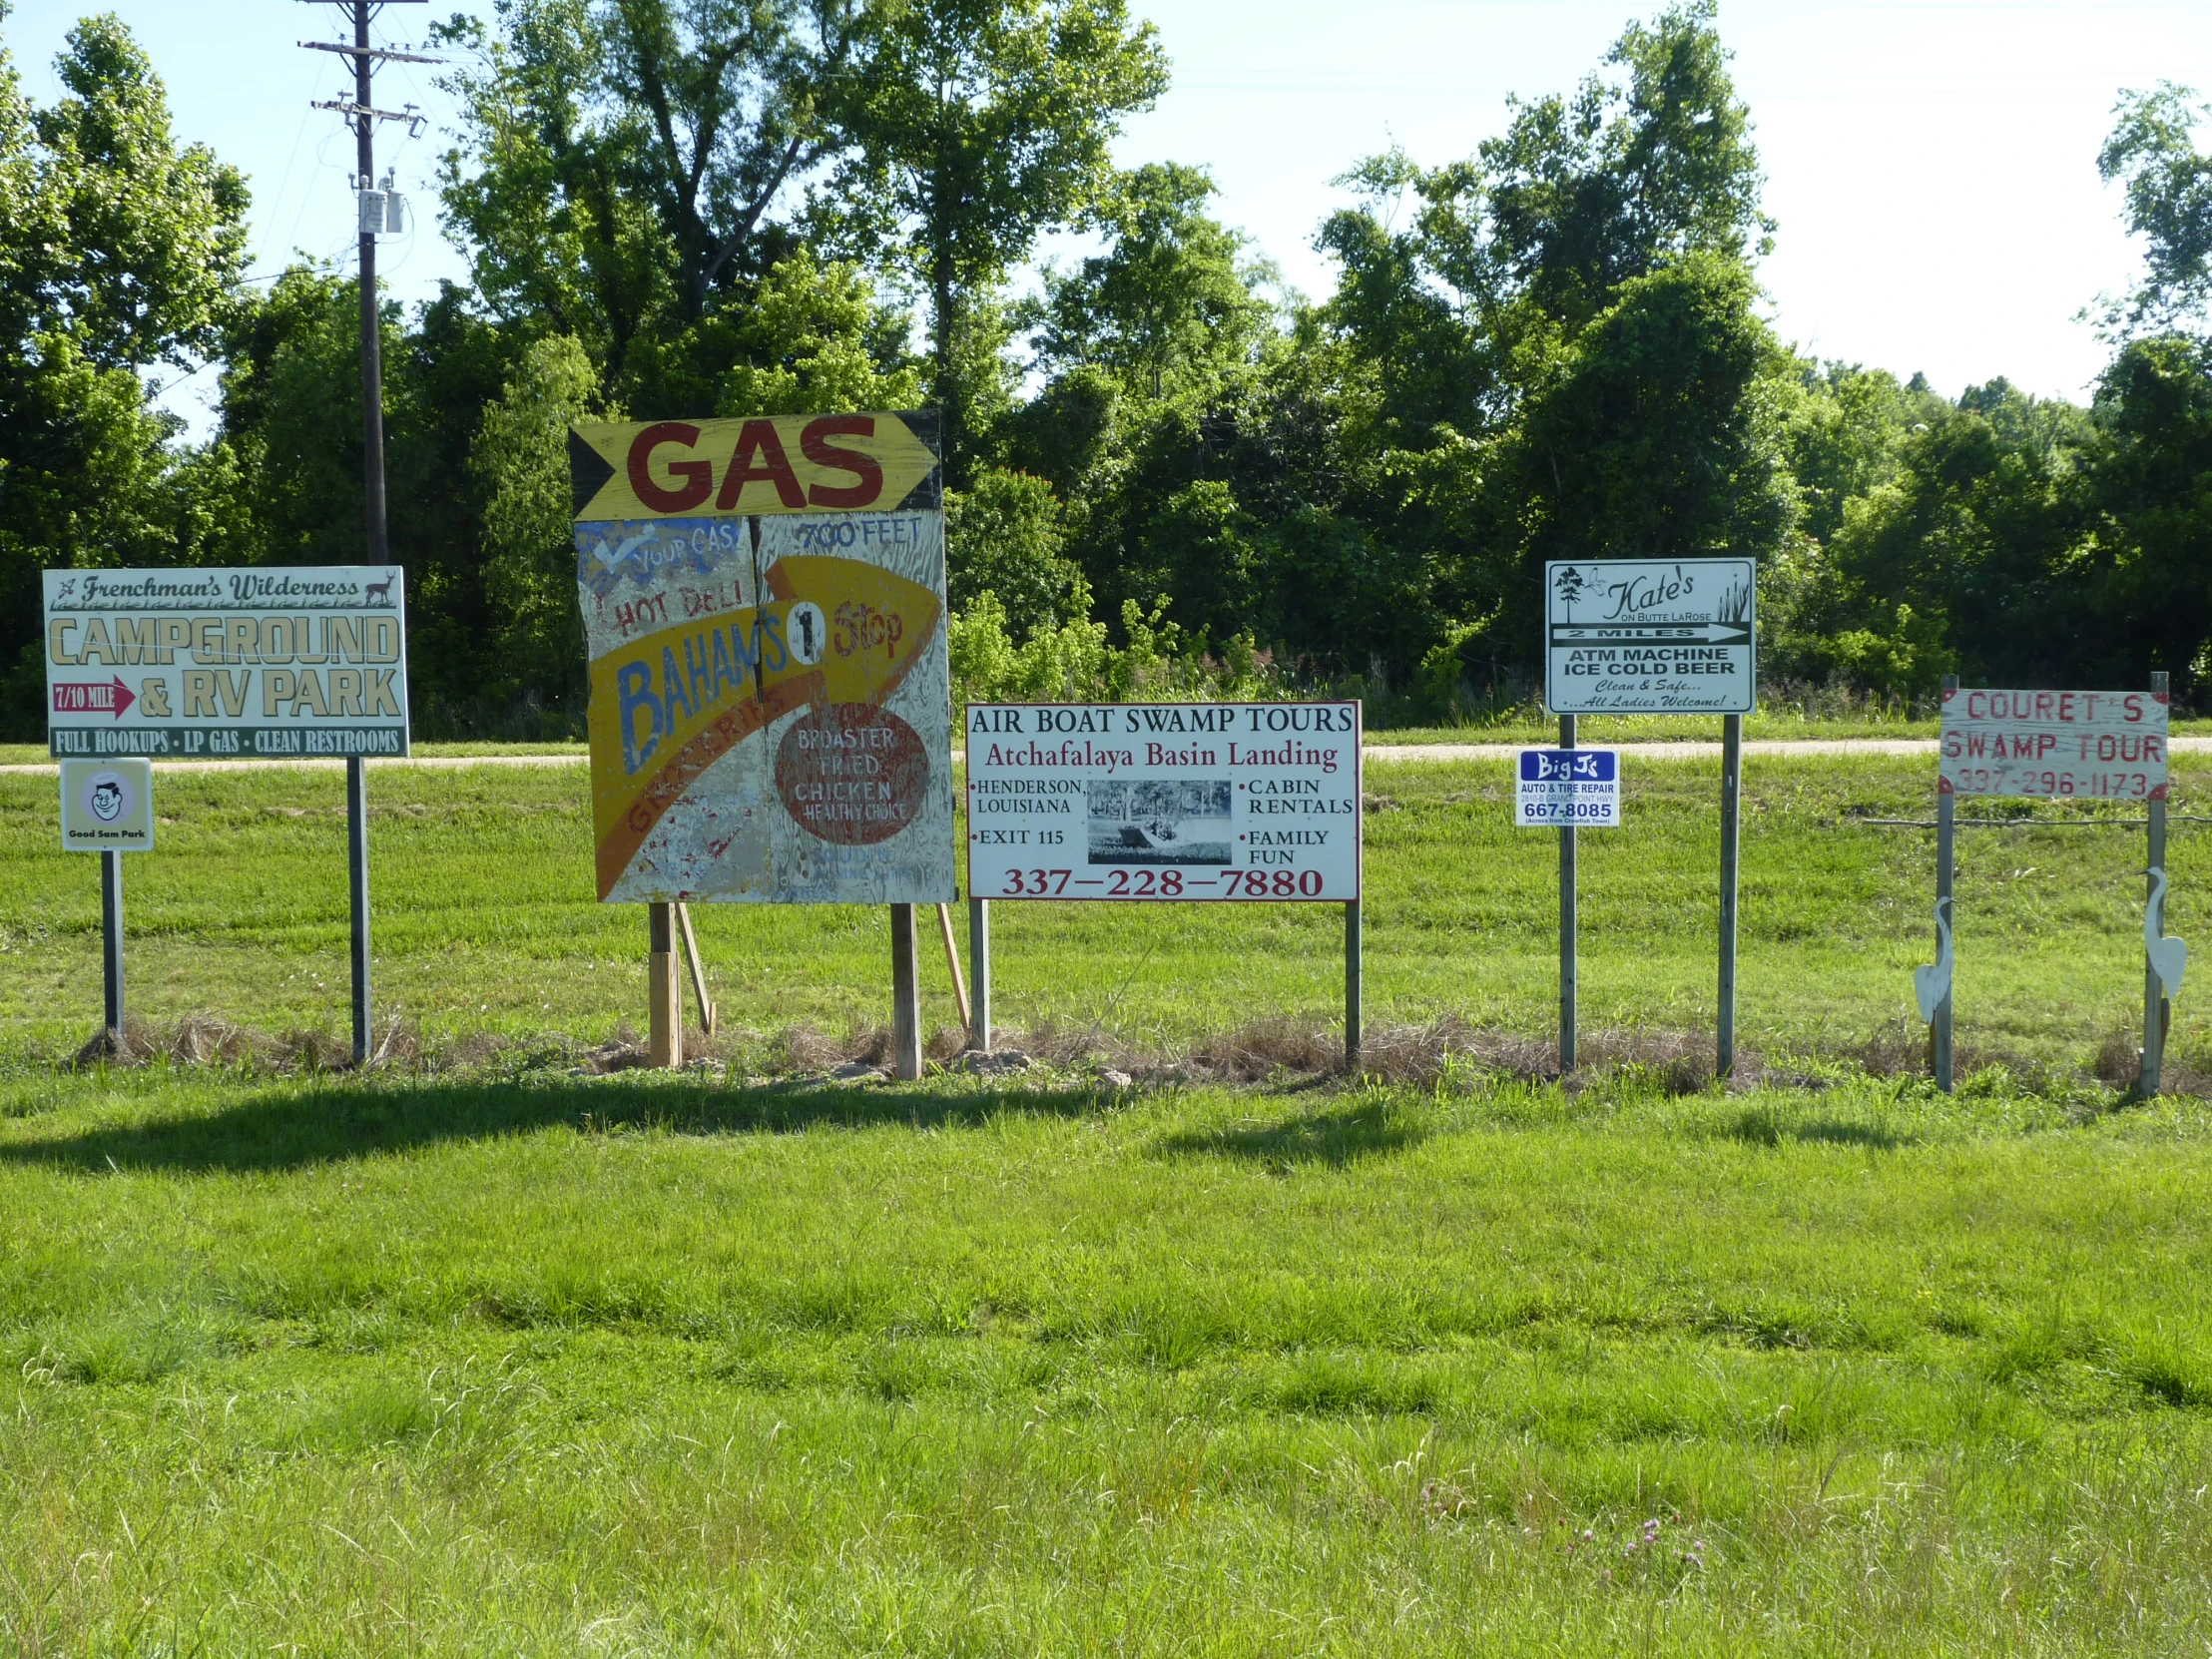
x=764, y=610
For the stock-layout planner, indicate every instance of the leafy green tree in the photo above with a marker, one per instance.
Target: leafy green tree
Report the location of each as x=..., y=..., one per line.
x=2169, y=204
x=627, y=168
x=120, y=252
x=520, y=459
x=974, y=125
x=1004, y=536
x=1171, y=303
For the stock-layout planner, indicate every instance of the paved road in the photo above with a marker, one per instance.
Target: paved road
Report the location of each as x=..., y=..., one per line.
x=1386, y=753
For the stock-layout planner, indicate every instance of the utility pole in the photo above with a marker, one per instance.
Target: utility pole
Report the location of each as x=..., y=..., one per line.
x=364, y=116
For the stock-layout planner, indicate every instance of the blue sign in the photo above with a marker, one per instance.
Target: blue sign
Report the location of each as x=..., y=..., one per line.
x=1569, y=788
x=1601, y=766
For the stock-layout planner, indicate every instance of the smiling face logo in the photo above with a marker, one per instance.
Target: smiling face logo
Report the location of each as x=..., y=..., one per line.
x=107, y=796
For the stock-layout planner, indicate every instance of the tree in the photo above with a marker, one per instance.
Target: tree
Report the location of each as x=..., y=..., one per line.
x=1170, y=304
x=2169, y=203
x=1004, y=536
x=119, y=253
x=520, y=459
x=626, y=165
x=976, y=124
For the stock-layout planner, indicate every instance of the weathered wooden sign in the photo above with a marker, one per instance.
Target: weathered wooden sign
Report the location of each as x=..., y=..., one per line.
x=2097, y=745
x=1164, y=800
x=764, y=615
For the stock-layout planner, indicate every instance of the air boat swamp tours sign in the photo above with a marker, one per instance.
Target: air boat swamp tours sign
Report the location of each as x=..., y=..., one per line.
x=1653, y=637
x=2054, y=746
x=764, y=621
x=1151, y=802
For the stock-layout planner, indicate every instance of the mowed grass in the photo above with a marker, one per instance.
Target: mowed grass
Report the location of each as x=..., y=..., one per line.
x=485, y=919
x=527, y=1365
x=509, y=1361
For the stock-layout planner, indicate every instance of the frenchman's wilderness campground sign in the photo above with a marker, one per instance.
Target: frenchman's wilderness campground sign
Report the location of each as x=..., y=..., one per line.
x=764, y=614
x=261, y=663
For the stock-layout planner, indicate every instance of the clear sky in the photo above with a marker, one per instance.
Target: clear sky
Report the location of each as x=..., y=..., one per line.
x=1931, y=163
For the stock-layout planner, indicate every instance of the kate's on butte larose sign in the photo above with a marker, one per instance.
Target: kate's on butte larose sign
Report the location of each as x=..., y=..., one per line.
x=764, y=609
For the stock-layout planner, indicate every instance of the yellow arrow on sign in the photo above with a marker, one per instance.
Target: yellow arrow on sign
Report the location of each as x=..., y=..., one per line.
x=846, y=463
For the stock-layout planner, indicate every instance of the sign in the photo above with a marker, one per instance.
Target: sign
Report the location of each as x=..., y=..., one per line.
x=765, y=622
x=108, y=806
x=266, y=663
x=1650, y=636
x=2099, y=746
x=1569, y=788
x=1164, y=800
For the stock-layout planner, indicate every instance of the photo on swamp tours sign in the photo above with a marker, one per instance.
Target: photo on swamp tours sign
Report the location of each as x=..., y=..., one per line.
x=764, y=621
x=1164, y=800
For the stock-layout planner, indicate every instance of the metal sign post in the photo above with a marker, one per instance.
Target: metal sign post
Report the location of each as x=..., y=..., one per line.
x=1947, y=841
x=979, y=974
x=1732, y=795
x=1567, y=923
x=2157, y=1001
x=110, y=941
x=1351, y=984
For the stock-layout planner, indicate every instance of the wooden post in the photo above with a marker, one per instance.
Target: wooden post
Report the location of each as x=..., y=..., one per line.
x=1569, y=916
x=664, y=999
x=1941, y=1054
x=1732, y=793
x=698, y=970
x=906, y=998
x=111, y=941
x=952, y=961
x=2157, y=1006
x=1352, y=967
x=979, y=971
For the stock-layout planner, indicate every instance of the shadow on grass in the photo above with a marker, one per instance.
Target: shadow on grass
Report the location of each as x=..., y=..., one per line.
x=1331, y=1137
x=291, y=1127
x=1759, y=1126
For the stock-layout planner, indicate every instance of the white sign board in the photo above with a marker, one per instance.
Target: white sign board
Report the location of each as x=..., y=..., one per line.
x=265, y=663
x=2096, y=745
x=108, y=806
x=1164, y=800
x=1650, y=636
x=1568, y=789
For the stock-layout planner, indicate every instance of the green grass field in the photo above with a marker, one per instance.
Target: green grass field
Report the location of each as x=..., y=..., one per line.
x=491, y=1357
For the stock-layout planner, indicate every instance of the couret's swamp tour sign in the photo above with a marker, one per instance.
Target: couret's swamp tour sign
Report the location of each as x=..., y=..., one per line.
x=764, y=610
x=243, y=662
x=1164, y=800
x=1650, y=636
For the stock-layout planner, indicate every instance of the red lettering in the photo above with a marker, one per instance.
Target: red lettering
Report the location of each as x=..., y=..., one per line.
x=815, y=444
x=698, y=476
x=2134, y=706
x=758, y=438
x=1978, y=705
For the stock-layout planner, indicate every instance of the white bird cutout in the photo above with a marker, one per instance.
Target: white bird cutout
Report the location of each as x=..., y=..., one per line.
x=2169, y=957
x=1933, y=984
